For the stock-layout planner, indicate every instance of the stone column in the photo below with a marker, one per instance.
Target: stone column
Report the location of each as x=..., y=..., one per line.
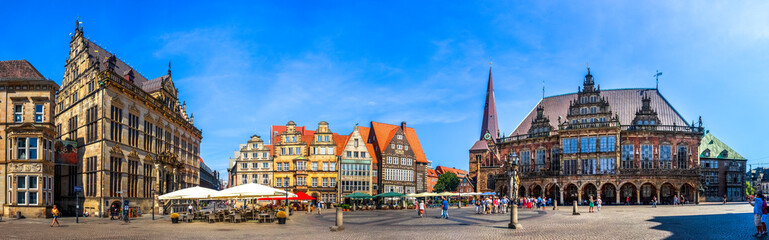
x=579, y=195
x=616, y=194
x=561, y=197
x=657, y=192
x=339, y=221
x=638, y=196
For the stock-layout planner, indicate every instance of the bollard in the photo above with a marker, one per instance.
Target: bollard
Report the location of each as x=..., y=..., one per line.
x=575, y=211
x=555, y=205
x=339, y=221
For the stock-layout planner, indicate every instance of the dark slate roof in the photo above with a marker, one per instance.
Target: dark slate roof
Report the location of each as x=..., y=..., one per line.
x=102, y=55
x=624, y=102
x=480, y=145
x=154, y=85
x=18, y=70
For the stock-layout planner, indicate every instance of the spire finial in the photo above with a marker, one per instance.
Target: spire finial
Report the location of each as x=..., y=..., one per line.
x=657, y=78
x=169, y=67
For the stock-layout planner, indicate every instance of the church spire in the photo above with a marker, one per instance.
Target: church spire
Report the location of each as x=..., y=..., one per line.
x=489, y=124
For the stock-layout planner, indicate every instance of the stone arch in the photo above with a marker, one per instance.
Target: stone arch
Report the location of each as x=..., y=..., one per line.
x=588, y=190
x=608, y=193
x=553, y=191
x=667, y=191
x=536, y=190
x=628, y=193
x=687, y=192
x=521, y=192
x=570, y=193
x=648, y=191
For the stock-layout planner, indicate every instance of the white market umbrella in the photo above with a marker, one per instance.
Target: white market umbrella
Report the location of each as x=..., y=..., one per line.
x=189, y=193
x=251, y=190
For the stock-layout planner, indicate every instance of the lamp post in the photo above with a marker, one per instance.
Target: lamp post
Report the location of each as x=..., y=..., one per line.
x=153, y=204
x=512, y=172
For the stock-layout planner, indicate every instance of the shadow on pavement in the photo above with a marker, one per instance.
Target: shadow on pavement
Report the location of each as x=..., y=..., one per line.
x=717, y=226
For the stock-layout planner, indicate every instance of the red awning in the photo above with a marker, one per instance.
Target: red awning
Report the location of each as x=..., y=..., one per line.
x=299, y=196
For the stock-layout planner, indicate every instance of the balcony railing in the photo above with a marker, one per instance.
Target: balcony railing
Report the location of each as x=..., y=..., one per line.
x=112, y=77
x=662, y=128
x=571, y=126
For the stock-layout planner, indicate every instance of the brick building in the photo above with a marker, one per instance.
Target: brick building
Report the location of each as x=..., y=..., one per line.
x=399, y=162
x=617, y=144
x=431, y=179
x=723, y=170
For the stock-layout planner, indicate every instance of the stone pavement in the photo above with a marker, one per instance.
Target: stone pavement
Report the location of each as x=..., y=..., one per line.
x=705, y=221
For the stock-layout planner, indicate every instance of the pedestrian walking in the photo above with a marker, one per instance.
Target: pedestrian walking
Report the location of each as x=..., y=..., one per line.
x=445, y=209
x=683, y=200
x=724, y=199
x=421, y=208
x=320, y=205
x=654, y=202
x=592, y=204
x=675, y=200
x=759, y=211
x=627, y=200
x=55, y=214
x=600, y=202
x=477, y=206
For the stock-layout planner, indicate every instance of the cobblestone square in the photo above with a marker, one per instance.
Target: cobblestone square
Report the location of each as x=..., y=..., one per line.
x=705, y=221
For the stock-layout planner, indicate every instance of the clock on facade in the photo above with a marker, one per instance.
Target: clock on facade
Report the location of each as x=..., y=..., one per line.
x=487, y=136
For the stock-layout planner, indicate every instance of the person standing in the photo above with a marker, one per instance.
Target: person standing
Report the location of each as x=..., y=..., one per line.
x=654, y=202
x=758, y=213
x=724, y=199
x=55, y=214
x=627, y=200
x=675, y=200
x=592, y=204
x=189, y=208
x=445, y=208
x=683, y=200
x=421, y=208
x=320, y=205
x=599, y=202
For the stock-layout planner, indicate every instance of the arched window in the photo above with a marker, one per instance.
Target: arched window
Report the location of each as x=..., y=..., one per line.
x=490, y=182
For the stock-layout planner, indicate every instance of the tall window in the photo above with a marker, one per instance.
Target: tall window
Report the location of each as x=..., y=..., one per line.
x=603, y=147
x=148, y=127
x=133, y=130
x=682, y=157
x=265, y=179
x=278, y=182
x=574, y=145
x=90, y=124
x=588, y=166
x=133, y=178
x=38, y=113
x=115, y=182
x=325, y=166
x=90, y=176
x=314, y=182
x=525, y=161
x=627, y=156
x=540, y=155
x=116, y=129
x=584, y=143
x=158, y=139
x=665, y=156
x=18, y=113
x=646, y=156
x=254, y=178
x=566, y=146
x=555, y=160
x=148, y=180
x=72, y=128
x=591, y=144
x=570, y=167
x=610, y=144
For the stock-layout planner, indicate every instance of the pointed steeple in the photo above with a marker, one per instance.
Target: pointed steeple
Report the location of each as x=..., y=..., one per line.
x=489, y=124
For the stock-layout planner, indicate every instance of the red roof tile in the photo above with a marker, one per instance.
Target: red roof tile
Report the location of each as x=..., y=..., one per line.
x=458, y=172
x=385, y=132
x=341, y=141
x=18, y=70
x=364, y=133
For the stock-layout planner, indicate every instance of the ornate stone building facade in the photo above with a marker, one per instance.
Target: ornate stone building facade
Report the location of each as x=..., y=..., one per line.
x=306, y=160
x=624, y=144
x=253, y=163
x=28, y=134
x=134, y=138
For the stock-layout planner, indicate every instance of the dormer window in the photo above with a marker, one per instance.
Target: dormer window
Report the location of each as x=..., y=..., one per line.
x=593, y=99
x=400, y=137
x=593, y=110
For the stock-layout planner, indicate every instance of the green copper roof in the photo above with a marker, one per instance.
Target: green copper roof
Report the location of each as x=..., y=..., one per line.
x=711, y=147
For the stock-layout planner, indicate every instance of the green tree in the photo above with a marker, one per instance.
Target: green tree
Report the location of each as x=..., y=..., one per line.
x=749, y=189
x=447, y=182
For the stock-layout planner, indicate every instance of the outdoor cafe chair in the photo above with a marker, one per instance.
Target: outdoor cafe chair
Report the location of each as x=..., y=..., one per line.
x=236, y=217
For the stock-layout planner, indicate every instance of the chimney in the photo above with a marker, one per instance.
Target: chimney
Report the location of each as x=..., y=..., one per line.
x=403, y=126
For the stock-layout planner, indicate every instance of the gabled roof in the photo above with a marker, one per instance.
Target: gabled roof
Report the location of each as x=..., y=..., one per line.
x=716, y=147
x=276, y=130
x=19, y=70
x=271, y=149
x=432, y=173
x=155, y=84
x=459, y=173
x=341, y=141
x=385, y=132
x=364, y=133
x=624, y=102
x=100, y=54
x=480, y=145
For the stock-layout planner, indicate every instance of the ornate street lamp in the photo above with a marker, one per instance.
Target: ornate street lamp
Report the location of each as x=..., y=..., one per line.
x=512, y=172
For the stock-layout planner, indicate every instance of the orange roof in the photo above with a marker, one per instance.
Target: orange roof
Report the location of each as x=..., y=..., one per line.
x=385, y=132
x=458, y=172
x=341, y=141
x=364, y=133
x=276, y=130
x=201, y=161
x=432, y=173
x=271, y=149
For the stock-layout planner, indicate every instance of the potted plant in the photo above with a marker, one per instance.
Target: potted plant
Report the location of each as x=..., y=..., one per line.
x=281, y=217
x=174, y=218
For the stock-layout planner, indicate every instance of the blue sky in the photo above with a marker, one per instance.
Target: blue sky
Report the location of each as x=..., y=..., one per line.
x=243, y=66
